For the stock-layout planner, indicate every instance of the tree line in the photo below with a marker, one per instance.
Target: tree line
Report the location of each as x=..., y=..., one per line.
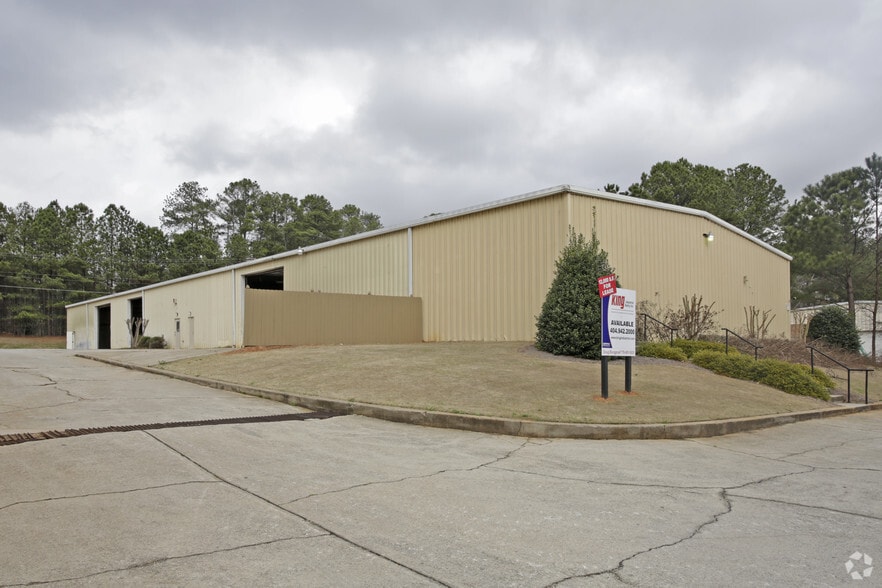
x=54, y=256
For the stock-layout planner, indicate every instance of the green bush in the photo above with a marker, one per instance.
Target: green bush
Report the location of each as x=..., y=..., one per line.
x=661, y=350
x=569, y=323
x=822, y=378
x=692, y=346
x=733, y=365
x=835, y=326
x=789, y=377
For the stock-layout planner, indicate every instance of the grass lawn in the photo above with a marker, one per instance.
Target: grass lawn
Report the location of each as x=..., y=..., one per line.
x=14, y=342
x=510, y=380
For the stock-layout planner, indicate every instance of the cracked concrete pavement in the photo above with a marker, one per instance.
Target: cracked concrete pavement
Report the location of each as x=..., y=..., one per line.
x=361, y=502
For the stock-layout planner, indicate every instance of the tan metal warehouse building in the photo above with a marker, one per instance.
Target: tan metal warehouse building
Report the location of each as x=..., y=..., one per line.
x=477, y=274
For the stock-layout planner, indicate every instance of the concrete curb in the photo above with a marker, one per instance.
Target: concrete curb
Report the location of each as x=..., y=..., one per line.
x=502, y=426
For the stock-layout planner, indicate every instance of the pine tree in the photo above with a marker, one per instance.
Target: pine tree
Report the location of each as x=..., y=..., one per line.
x=569, y=323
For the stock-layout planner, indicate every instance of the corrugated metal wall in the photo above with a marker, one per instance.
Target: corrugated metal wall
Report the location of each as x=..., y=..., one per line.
x=484, y=276
x=370, y=266
x=275, y=317
x=664, y=256
x=202, y=308
x=78, y=327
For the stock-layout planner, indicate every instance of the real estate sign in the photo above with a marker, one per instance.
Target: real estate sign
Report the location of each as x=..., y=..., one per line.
x=606, y=285
x=619, y=324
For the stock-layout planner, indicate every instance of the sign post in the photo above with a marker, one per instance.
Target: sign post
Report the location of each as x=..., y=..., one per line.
x=618, y=332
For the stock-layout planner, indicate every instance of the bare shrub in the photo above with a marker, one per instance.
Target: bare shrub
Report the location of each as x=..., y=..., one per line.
x=758, y=322
x=694, y=318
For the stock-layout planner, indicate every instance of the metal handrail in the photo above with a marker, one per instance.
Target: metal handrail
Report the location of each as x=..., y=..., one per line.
x=655, y=320
x=756, y=347
x=846, y=368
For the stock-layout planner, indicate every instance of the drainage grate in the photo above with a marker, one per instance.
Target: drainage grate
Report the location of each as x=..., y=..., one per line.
x=14, y=438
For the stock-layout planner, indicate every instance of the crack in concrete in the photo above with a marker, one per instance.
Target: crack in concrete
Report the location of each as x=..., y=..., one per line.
x=304, y=518
x=25, y=409
x=811, y=506
x=161, y=560
x=413, y=477
x=786, y=458
x=836, y=446
x=108, y=493
x=616, y=571
x=808, y=469
x=49, y=383
x=726, y=495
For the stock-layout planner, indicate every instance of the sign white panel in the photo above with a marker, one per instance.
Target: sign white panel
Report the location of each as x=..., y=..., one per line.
x=619, y=324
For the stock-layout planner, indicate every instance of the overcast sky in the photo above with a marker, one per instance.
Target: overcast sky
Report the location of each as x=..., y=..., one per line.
x=405, y=108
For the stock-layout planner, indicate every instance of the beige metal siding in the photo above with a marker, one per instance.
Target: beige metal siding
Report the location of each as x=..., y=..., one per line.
x=275, y=317
x=481, y=275
x=664, y=256
x=484, y=276
x=376, y=266
x=78, y=327
x=204, y=307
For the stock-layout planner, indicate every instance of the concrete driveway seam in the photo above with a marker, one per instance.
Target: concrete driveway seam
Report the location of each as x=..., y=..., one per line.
x=513, y=427
x=324, y=529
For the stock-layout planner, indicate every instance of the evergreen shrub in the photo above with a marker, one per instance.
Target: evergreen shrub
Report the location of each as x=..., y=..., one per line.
x=835, y=326
x=788, y=377
x=569, y=323
x=692, y=346
x=661, y=350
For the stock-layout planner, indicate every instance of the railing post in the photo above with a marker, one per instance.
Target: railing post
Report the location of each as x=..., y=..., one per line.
x=727, y=340
x=847, y=369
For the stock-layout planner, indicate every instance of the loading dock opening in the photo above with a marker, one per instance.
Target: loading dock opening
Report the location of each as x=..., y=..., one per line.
x=103, y=326
x=273, y=279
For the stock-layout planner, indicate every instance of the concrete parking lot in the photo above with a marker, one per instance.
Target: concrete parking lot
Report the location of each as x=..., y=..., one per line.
x=359, y=502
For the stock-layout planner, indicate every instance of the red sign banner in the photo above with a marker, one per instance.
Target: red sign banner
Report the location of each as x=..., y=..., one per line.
x=606, y=285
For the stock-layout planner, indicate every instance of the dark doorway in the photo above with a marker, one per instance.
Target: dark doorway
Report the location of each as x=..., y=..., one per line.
x=136, y=322
x=104, y=327
x=271, y=280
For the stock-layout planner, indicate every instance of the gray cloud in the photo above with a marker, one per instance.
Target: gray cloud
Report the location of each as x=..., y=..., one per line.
x=408, y=108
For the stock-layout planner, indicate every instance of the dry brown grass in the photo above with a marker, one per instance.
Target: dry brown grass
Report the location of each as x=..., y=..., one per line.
x=16, y=342
x=497, y=379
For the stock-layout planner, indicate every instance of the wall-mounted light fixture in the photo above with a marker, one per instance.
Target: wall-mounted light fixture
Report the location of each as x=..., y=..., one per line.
x=298, y=251
x=709, y=237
